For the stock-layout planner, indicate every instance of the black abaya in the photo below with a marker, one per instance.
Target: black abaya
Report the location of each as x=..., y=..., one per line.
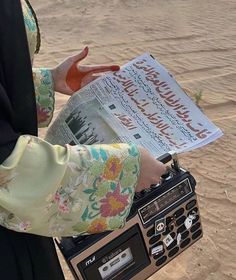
x=22, y=256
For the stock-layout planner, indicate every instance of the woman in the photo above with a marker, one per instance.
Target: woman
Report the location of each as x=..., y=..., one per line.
x=48, y=190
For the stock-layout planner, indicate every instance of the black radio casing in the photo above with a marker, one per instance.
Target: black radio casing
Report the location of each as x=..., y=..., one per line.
x=163, y=221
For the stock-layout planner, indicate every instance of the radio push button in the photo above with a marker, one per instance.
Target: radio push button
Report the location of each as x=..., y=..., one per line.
x=196, y=234
x=169, y=228
x=181, y=229
x=161, y=260
x=155, y=257
x=151, y=232
x=191, y=204
x=195, y=227
x=173, y=252
x=154, y=239
x=181, y=220
x=185, y=234
x=157, y=250
x=178, y=213
x=185, y=243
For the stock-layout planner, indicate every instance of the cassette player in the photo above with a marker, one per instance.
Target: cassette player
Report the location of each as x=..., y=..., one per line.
x=164, y=221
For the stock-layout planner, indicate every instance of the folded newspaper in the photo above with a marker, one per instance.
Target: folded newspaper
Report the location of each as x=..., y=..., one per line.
x=142, y=103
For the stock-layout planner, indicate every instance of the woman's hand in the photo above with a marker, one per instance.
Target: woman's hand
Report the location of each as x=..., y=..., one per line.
x=150, y=170
x=69, y=76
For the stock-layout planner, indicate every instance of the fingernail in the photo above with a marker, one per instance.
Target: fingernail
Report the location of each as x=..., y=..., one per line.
x=115, y=68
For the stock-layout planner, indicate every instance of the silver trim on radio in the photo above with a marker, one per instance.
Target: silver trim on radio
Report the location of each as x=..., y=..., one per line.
x=139, y=210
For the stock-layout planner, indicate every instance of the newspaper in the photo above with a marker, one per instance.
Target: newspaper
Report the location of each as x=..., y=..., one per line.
x=142, y=103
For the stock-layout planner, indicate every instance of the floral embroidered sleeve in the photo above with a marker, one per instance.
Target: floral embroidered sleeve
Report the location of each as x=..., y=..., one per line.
x=44, y=93
x=60, y=191
x=43, y=81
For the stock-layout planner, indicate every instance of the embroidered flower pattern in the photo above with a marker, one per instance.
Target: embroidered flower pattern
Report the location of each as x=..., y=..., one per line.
x=112, y=168
x=63, y=207
x=64, y=201
x=44, y=94
x=24, y=226
x=98, y=225
x=31, y=28
x=42, y=77
x=82, y=201
x=13, y=222
x=105, y=202
x=42, y=114
x=114, y=203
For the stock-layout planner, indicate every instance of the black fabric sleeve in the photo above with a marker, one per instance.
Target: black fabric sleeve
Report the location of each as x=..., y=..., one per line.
x=22, y=256
x=17, y=100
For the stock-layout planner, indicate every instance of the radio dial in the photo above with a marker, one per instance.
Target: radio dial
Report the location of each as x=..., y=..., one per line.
x=166, y=176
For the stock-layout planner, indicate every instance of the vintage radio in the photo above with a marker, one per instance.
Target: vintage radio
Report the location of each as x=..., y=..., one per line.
x=164, y=220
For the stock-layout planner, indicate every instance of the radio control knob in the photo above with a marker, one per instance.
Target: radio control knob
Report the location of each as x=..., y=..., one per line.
x=143, y=192
x=137, y=196
x=166, y=176
x=155, y=186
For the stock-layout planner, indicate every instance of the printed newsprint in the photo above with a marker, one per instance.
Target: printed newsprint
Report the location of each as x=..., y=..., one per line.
x=141, y=103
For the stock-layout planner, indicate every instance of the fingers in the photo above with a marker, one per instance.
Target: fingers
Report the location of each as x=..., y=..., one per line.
x=78, y=57
x=155, y=173
x=92, y=69
x=98, y=68
x=150, y=176
x=105, y=68
x=150, y=170
x=78, y=75
x=161, y=168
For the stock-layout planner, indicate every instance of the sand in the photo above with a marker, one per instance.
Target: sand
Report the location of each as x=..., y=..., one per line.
x=195, y=40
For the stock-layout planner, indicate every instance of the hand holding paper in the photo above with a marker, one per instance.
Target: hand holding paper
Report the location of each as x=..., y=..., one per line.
x=142, y=103
x=69, y=76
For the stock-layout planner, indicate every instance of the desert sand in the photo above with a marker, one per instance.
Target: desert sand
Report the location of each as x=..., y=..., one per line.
x=196, y=41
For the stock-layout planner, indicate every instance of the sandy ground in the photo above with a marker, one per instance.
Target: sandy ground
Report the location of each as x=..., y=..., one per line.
x=196, y=41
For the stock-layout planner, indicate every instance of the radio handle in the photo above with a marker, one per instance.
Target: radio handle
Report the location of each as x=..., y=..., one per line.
x=168, y=157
